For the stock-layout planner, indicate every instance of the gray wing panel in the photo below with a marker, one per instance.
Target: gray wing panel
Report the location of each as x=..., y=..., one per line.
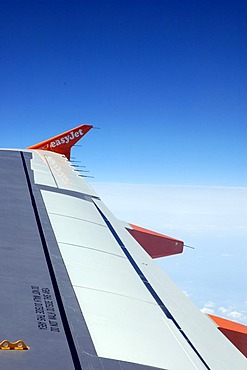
x=38, y=302
x=29, y=309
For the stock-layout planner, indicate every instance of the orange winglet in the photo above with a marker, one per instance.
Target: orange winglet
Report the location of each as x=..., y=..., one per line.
x=235, y=332
x=63, y=143
x=155, y=244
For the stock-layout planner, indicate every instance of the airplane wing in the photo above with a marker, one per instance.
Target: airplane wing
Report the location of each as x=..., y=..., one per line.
x=79, y=288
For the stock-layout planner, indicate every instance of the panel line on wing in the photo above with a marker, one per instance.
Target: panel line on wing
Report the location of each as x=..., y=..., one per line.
x=113, y=293
x=52, y=174
x=148, y=285
x=183, y=349
x=74, y=194
x=92, y=249
x=76, y=218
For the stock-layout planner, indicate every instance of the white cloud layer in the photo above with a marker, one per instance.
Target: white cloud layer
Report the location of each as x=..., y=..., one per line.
x=226, y=312
x=210, y=304
x=207, y=310
x=212, y=219
x=236, y=315
x=194, y=209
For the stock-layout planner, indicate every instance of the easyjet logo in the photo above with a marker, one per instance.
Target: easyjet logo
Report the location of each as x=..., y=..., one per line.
x=66, y=139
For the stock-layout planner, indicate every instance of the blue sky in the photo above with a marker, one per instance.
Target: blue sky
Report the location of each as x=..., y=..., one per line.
x=166, y=83
x=164, y=80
